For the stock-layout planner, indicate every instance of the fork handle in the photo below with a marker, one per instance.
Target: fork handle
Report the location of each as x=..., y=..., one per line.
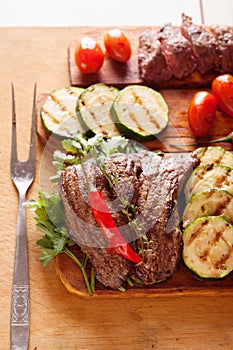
x=20, y=290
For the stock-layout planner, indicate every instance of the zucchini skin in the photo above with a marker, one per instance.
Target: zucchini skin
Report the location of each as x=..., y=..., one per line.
x=208, y=247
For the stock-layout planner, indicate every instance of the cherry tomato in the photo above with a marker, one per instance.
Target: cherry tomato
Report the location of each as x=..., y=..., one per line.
x=117, y=45
x=201, y=113
x=222, y=88
x=89, y=56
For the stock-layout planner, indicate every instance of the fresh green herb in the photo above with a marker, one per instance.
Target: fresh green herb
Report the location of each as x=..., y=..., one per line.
x=50, y=219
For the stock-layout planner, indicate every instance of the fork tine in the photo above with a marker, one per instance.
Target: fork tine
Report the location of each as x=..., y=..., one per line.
x=13, y=136
x=32, y=153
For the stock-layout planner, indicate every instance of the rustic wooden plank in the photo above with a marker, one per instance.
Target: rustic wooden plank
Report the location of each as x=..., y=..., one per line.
x=122, y=74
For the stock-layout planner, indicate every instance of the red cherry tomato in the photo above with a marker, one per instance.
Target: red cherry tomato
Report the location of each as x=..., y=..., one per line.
x=222, y=88
x=89, y=56
x=201, y=113
x=117, y=45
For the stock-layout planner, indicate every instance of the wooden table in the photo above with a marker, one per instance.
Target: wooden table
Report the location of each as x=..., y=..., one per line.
x=60, y=320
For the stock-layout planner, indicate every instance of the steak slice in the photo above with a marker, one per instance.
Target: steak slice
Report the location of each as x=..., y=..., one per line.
x=224, y=38
x=177, y=51
x=152, y=64
x=160, y=220
x=203, y=44
x=110, y=269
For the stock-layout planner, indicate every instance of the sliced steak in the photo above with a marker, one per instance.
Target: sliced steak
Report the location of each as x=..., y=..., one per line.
x=203, y=44
x=149, y=182
x=110, y=269
x=177, y=51
x=224, y=38
x=152, y=64
x=159, y=219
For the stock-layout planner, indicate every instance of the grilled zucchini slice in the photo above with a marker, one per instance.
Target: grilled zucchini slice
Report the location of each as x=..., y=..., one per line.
x=214, y=154
x=93, y=110
x=58, y=112
x=209, y=203
x=208, y=247
x=140, y=112
x=209, y=176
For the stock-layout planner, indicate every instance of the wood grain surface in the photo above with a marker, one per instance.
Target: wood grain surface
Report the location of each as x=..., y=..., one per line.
x=59, y=319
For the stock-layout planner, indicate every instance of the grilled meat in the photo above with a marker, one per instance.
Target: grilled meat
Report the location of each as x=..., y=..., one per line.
x=224, y=38
x=151, y=184
x=203, y=44
x=177, y=51
x=172, y=52
x=152, y=63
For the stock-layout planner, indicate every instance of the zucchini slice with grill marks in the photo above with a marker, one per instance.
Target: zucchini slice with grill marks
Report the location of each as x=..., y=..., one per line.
x=140, y=112
x=208, y=247
x=209, y=176
x=209, y=203
x=58, y=112
x=93, y=110
x=214, y=154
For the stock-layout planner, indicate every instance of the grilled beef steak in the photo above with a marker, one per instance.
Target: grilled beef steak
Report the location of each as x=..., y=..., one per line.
x=177, y=52
x=203, y=44
x=152, y=63
x=224, y=37
x=151, y=184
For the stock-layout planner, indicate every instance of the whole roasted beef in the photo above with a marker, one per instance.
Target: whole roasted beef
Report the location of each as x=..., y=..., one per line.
x=151, y=184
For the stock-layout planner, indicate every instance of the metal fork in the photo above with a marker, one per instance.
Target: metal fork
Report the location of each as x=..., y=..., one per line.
x=22, y=175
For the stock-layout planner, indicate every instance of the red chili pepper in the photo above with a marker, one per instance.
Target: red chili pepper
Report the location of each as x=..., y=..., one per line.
x=228, y=138
x=105, y=221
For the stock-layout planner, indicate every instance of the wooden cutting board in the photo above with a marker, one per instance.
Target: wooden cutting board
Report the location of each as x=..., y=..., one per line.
x=178, y=97
x=121, y=74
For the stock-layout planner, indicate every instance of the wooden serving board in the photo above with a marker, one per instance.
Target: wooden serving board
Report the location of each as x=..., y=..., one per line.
x=182, y=282
x=178, y=97
x=120, y=74
x=177, y=131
